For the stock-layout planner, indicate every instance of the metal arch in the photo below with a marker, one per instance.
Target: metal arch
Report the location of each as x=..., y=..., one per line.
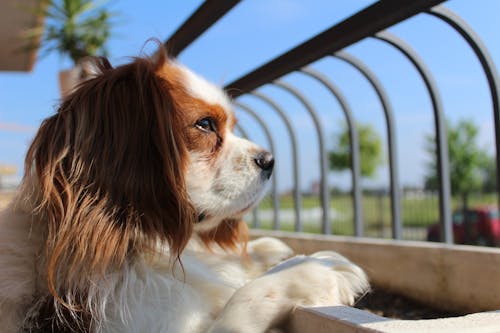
x=354, y=142
x=255, y=214
x=324, y=195
x=484, y=57
x=274, y=190
x=376, y=17
x=391, y=137
x=297, y=198
x=207, y=14
x=440, y=126
x=244, y=133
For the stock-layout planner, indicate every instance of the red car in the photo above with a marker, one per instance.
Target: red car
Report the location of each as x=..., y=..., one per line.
x=484, y=227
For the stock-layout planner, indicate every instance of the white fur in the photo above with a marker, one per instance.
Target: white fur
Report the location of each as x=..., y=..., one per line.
x=18, y=250
x=267, y=300
x=216, y=292
x=224, y=294
x=200, y=88
x=228, y=186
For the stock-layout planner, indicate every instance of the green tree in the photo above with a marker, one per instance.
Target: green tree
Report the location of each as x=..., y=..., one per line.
x=370, y=150
x=73, y=28
x=467, y=160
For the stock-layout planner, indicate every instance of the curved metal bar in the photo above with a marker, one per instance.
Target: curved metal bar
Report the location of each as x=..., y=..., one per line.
x=391, y=137
x=376, y=17
x=440, y=126
x=297, y=198
x=324, y=195
x=484, y=57
x=200, y=21
x=255, y=214
x=274, y=190
x=244, y=133
x=354, y=142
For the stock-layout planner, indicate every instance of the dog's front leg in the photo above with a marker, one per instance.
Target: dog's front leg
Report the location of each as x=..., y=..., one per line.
x=255, y=307
x=267, y=301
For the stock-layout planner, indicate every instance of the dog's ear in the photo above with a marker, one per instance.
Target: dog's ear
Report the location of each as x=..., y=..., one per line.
x=229, y=234
x=110, y=168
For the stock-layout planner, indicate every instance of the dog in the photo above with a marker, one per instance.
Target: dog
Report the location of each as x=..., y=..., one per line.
x=129, y=217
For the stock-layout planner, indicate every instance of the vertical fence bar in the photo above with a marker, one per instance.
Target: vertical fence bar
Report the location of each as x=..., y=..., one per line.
x=354, y=144
x=490, y=70
x=297, y=197
x=440, y=127
x=324, y=195
x=274, y=190
x=391, y=138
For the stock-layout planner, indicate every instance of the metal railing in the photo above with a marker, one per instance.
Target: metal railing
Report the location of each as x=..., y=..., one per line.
x=372, y=22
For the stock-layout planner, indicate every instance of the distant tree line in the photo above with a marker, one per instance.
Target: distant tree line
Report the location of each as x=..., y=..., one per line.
x=472, y=168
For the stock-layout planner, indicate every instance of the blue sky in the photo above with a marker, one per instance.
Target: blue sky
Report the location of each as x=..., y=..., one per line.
x=259, y=30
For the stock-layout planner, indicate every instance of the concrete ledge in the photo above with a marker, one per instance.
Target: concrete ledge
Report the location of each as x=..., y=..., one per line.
x=450, y=277
x=485, y=322
x=341, y=319
x=338, y=319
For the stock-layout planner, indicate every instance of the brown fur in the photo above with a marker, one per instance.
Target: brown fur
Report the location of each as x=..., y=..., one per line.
x=195, y=109
x=109, y=169
x=229, y=234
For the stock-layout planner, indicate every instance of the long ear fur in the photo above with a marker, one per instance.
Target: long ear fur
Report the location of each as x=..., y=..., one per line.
x=109, y=174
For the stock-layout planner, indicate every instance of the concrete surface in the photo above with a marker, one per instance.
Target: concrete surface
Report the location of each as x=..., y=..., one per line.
x=458, y=278
x=342, y=319
x=485, y=322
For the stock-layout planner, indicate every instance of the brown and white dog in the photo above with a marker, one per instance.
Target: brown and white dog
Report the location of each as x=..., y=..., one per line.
x=129, y=217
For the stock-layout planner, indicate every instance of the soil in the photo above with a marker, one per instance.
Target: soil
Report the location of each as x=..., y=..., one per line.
x=390, y=305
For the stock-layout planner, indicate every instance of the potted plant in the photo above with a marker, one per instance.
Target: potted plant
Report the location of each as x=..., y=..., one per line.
x=75, y=29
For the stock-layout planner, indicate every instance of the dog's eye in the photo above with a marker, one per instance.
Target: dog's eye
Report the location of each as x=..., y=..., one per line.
x=206, y=124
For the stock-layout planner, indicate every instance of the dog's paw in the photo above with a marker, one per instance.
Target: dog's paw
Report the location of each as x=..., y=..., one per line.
x=353, y=281
x=324, y=278
x=269, y=251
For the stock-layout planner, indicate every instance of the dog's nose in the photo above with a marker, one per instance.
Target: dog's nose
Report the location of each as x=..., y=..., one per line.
x=265, y=161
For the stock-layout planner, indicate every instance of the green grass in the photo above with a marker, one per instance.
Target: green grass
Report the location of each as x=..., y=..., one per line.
x=416, y=211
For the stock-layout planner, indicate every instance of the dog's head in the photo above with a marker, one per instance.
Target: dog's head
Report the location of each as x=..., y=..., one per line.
x=225, y=174
x=139, y=155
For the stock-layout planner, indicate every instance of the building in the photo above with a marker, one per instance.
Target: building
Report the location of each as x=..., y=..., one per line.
x=16, y=18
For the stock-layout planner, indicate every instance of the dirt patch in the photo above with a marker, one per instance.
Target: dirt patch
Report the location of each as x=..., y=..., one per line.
x=386, y=304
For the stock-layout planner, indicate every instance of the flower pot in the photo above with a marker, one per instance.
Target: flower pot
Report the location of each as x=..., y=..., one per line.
x=68, y=80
